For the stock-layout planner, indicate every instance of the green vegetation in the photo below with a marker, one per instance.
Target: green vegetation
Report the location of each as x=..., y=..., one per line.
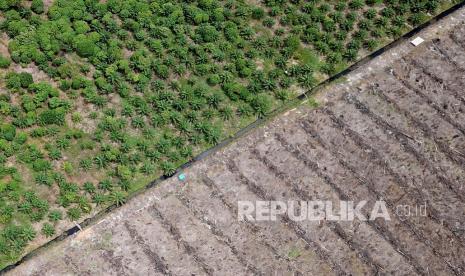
x=138, y=87
x=4, y=62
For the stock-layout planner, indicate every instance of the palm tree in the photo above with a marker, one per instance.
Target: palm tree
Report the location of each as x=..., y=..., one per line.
x=100, y=161
x=168, y=168
x=28, y=233
x=118, y=198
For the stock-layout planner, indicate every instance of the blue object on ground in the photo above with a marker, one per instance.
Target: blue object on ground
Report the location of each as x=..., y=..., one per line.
x=181, y=176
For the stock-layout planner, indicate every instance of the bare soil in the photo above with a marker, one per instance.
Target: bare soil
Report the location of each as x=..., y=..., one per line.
x=395, y=130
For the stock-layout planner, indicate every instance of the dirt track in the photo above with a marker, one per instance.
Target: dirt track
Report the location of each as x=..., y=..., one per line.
x=395, y=133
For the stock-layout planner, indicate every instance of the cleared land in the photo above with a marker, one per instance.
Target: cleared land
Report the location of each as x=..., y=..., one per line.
x=395, y=133
x=98, y=98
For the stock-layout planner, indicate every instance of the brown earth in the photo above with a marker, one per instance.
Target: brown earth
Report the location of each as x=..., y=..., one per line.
x=394, y=130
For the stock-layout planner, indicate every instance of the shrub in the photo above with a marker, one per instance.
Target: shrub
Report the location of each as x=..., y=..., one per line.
x=268, y=22
x=26, y=79
x=105, y=185
x=208, y=33
x=84, y=204
x=41, y=165
x=13, y=80
x=85, y=164
x=213, y=79
x=37, y=6
x=76, y=117
x=6, y=213
x=28, y=233
x=258, y=13
x=85, y=47
x=118, y=198
x=98, y=198
x=89, y=187
x=4, y=62
x=261, y=104
x=48, y=230
x=68, y=167
x=7, y=132
x=168, y=168
x=4, y=5
x=21, y=138
x=292, y=43
x=55, y=216
x=226, y=113
x=44, y=179
x=282, y=95
x=52, y=116
x=81, y=27
x=356, y=4
x=124, y=172
x=418, y=18
x=74, y=213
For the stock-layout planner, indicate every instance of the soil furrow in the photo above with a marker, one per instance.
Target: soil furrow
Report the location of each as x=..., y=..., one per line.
x=303, y=194
x=457, y=41
x=112, y=259
x=226, y=240
x=169, y=248
x=411, y=232
x=439, y=63
x=158, y=263
x=432, y=126
x=395, y=92
x=250, y=229
x=449, y=207
x=445, y=98
x=214, y=250
x=411, y=187
x=438, y=110
x=175, y=233
x=456, y=187
x=279, y=234
x=349, y=188
x=298, y=229
x=458, y=35
x=435, y=83
x=68, y=260
x=387, y=134
x=420, y=135
x=335, y=236
x=451, y=51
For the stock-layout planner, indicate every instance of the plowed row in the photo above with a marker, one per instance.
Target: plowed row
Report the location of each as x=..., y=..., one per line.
x=398, y=135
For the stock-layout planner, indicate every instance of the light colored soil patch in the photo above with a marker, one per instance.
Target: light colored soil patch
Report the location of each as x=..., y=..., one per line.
x=37, y=74
x=80, y=107
x=4, y=45
x=127, y=53
x=260, y=64
x=48, y=4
